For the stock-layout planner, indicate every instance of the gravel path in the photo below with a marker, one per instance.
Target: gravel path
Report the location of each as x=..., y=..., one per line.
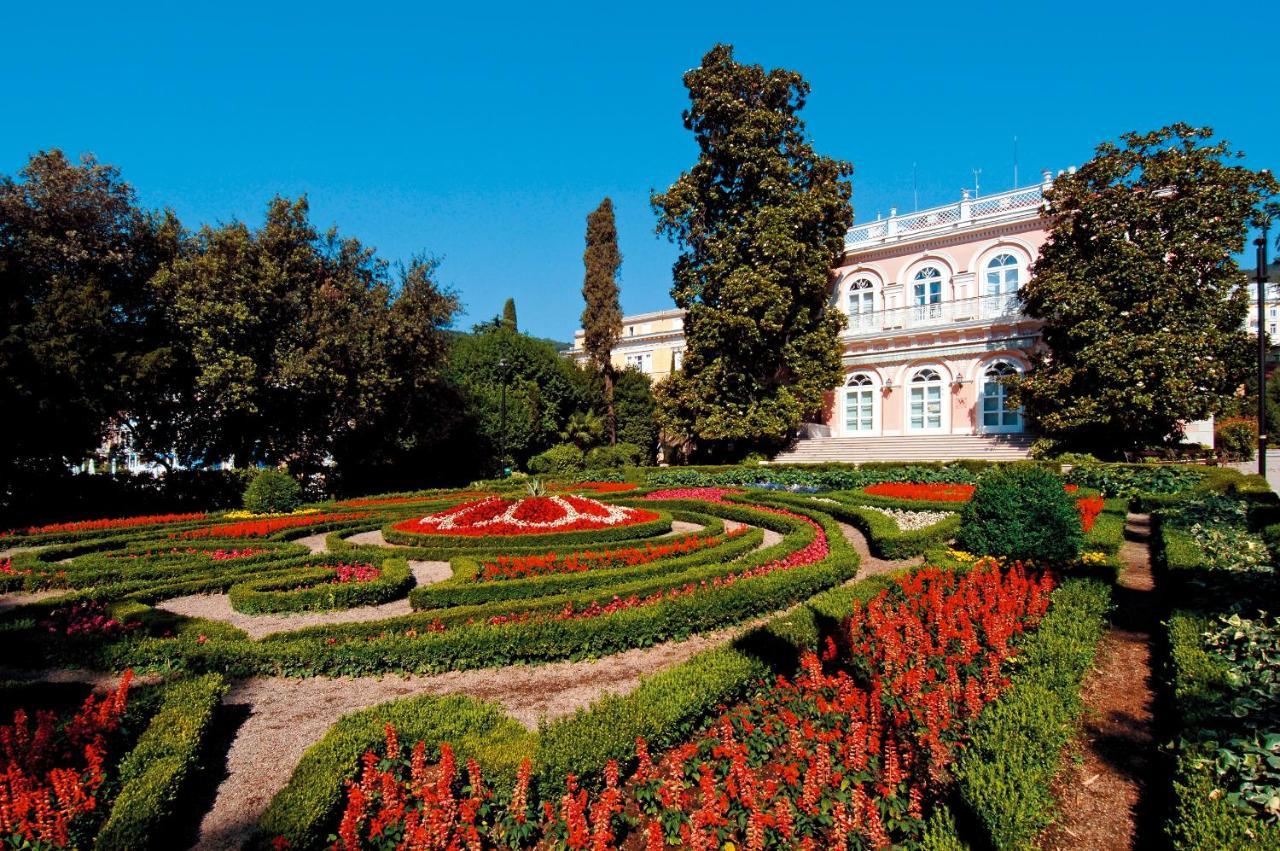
x=218, y=607
x=1107, y=795
x=871, y=564
x=314, y=543
x=283, y=717
x=22, y=598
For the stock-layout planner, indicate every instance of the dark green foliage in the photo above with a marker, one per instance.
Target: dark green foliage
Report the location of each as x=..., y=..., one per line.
x=616, y=457
x=82, y=335
x=884, y=536
x=1142, y=302
x=153, y=775
x=823, y=477
x=558, y=461
x=602, y=314
x=509, y=315
x=635, y=409
x=1021, y=512
x=760, y=219
x=1129, y=480
x=313, y=590
x=272, y=492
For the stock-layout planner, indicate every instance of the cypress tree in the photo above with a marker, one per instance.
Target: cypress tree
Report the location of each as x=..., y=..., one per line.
x=509, y=315
x=602, y=316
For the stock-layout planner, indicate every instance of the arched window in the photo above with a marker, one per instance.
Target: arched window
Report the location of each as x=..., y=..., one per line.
x=1000, y=286
x=862, y=303
x=927, y=293
x=998, y=413
x=924, y=401
x=859, y=404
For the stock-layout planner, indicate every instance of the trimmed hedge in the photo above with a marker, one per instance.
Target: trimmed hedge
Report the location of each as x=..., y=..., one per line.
x=1004, y=775
x=314, y=589
x=884, y=537
x=594, y=537
x=153, y=774
x=306, y=808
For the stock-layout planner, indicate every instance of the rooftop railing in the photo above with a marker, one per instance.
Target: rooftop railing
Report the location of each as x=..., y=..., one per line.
x=968, y=212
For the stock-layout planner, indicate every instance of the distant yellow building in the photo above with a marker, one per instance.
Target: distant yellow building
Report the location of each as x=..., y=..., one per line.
x=651, y=342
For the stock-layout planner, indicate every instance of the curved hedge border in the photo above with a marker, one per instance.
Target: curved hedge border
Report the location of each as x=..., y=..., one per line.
x=313, y=589
x=884, y=537
x=153, y=774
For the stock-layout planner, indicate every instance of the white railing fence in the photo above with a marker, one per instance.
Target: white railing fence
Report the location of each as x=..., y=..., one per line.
x=937, y=313
x=966, y=213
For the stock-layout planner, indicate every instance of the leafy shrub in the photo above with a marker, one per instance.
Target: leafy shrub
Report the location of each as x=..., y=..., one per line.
x=614, y=457
x=1236, y=437
x=272, y=492
x=560, y=460
x=1130, y=480
x=1021, y=512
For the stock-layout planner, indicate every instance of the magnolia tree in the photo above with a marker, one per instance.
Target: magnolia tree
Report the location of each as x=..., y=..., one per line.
x=1142, y=303
x=761, y=220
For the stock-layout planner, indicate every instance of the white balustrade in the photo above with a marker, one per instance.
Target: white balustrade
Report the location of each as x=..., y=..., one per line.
x=933, y=315
x=963, y=214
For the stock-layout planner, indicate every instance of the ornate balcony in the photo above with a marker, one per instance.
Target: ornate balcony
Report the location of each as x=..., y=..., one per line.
x=969, y=212
x=934, y=315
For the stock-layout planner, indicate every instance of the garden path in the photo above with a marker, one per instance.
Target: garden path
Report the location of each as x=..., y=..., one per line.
x=218, y=607
x=872, y=564
x=279, y=718
x=1107, y=796
x=22, y=598
x=375, y=537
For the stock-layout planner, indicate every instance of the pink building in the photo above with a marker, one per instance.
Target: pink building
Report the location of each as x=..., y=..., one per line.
x=934, y=319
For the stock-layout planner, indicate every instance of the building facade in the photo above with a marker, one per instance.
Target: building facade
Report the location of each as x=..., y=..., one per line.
x=651, y=342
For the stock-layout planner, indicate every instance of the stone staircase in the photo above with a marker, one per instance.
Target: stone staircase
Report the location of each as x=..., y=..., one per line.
x=939, y=447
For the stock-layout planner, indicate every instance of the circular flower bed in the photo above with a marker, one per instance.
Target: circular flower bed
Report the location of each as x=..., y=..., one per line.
x=535, y=515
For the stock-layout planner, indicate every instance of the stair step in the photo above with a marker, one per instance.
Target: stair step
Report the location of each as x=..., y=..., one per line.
x=934, y=447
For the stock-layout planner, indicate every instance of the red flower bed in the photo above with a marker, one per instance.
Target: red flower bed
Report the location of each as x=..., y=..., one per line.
x=82, y=619
x=704, y=494
x=535, y=515
x=368, y=502
x=50, y=773
x=853, y=748
x=521, y=567
x=215, y=555
x=1089, y=507
x=935, y=491
x=356, y=573
x=267, y=526
x=597, y=487
x=104, y=525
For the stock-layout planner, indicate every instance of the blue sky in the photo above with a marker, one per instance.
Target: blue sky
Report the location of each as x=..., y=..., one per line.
x=485, y=134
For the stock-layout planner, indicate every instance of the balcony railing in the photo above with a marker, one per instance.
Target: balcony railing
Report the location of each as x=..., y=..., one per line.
x=933, y=315
x=969, y=212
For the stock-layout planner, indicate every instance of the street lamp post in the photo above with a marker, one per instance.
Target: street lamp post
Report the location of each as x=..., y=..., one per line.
x=1261, y=244
x=503, y=366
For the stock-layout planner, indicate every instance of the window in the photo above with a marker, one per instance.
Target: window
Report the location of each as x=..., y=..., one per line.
x=998, y=413
x=924, y=401
x=859, y=404
x=1000, y=286
x=677, y=359
x=642, y=361
x=927, y=293
x=862, y=303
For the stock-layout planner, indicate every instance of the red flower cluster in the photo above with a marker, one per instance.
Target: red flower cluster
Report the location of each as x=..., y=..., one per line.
x=356, y=573
x=104, y=525
x=521, y=567
x=88, y=618
x=529, y=516
x=1089, y=507
x=6, y=567
x=704, y=494
x=368, y=502
x=266, y=526
x=597, y=487
x=851, y=749
x=935, y=491
x=49, y=776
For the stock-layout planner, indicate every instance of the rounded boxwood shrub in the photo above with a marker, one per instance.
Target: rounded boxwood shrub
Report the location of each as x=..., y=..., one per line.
x=558, y=460
x=612, y=457
x=1021, y=512
x=272, y=492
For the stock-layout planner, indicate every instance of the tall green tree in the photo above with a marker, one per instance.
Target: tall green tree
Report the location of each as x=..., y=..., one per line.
x=602, y=315
x=82, y=338
x=1143, y=306
x=509, y=315
x=761, y=220
x=286, y=339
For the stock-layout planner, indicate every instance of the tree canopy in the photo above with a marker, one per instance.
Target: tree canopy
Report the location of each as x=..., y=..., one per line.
x=760, y=219
x=1143, y=305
